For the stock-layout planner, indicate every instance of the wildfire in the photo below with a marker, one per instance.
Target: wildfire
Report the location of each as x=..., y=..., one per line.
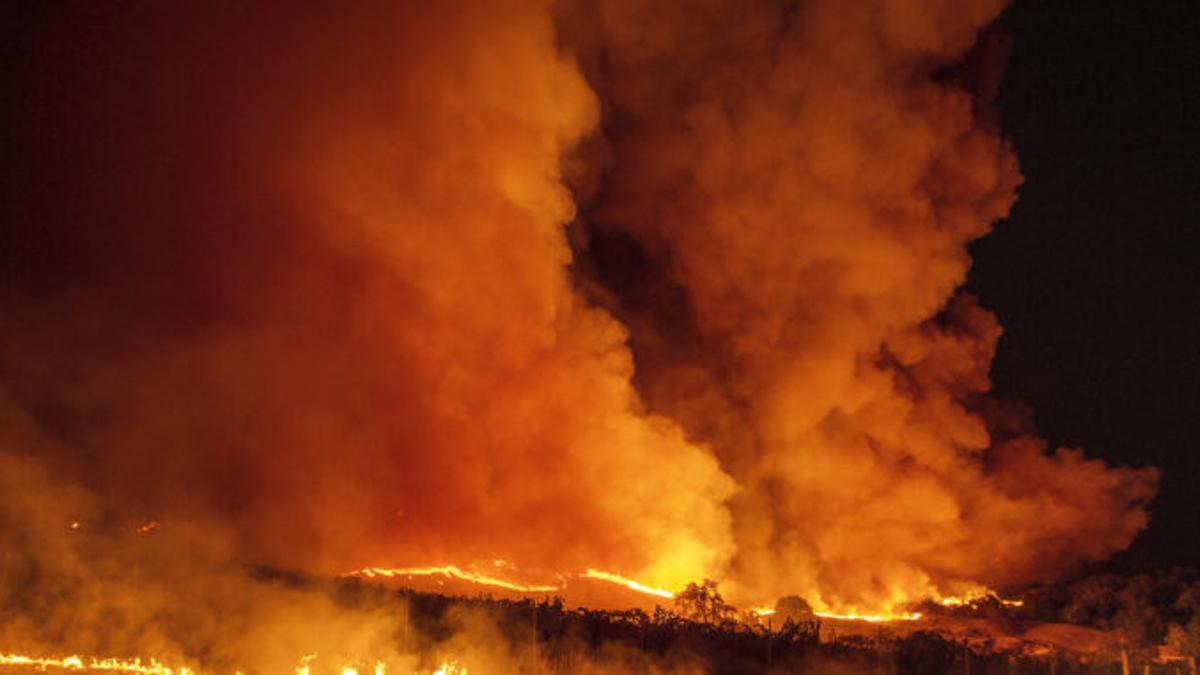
x=873, y=618
x=591, y=573
x=450, y=667
x=453, y=571
x=489, y=580
x=626, y=582
x=304, y=668
x=112, y=665
x=852, y=616
x=137, y=666
x=380, y=669
x=974, y=597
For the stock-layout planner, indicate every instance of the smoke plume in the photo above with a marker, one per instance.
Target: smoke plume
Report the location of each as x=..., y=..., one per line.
x=799, y=182
x=297, y=281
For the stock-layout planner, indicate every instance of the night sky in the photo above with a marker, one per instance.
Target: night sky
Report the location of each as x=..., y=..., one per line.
x=1094, y=276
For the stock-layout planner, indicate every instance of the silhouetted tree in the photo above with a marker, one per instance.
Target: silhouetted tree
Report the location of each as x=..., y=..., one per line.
x=1136, y=623
x=1184, y=635
x=795, y=608
x=703, y=603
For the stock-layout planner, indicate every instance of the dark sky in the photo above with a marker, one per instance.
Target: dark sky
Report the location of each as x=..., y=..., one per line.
x=1095, y=275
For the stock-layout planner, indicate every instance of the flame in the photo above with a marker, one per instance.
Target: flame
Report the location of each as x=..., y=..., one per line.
x=352, y=668
x=303, y=668
x=852, y=616
x=626, y=582
x=873, y=618
x=452, y=571
x=139, y=666
x=113, y=665
x=977, y=595
x=488, y=580
x=450, y=667
x=968, y=597
x=965, y=595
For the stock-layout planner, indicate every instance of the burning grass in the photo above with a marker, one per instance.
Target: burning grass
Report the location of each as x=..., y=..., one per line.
x=443, y=635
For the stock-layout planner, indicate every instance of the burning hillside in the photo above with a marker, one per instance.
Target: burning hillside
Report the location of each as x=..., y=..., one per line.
x=608, y=295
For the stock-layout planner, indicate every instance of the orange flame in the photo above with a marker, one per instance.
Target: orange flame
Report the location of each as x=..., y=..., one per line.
x=626, y=582
x=489, y=580
x=961, y=601
x=450, y=667
x=452, y=571
x=112, y=665
x=138, y=666
x=873, y=618
x=854, y=614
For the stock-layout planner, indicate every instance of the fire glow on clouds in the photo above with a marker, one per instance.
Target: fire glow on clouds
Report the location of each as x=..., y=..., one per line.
x=337, y=288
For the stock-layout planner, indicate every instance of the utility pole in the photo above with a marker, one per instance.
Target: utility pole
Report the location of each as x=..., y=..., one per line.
x=770, y=639
x=535, y=630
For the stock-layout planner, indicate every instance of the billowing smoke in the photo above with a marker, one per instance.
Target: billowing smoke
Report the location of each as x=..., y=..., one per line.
x=308, y=285
x=299, y=278
x=799, y=182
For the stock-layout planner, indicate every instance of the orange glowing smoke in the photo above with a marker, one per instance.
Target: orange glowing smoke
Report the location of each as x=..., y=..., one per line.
x=800, y=183
x=362, y=341
x=336, y=285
